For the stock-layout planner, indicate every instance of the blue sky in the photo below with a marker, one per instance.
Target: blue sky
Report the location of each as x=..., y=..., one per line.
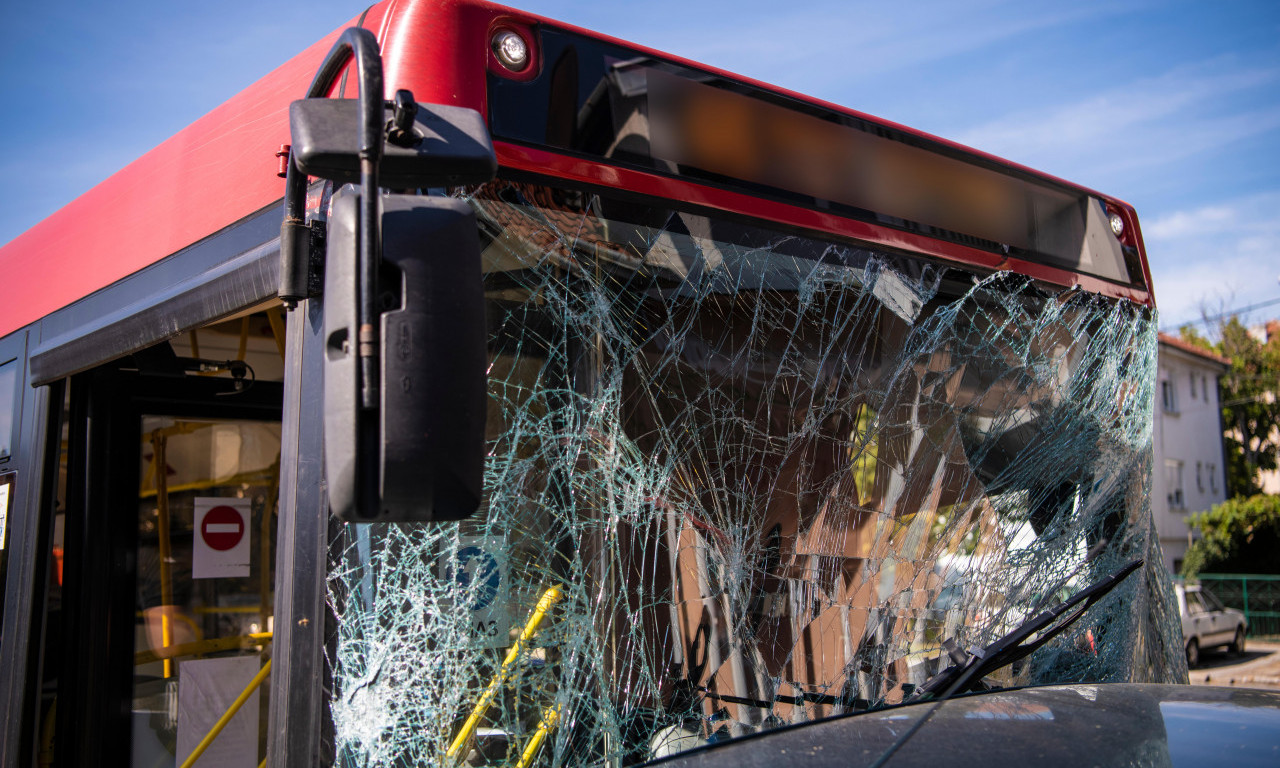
x=1173, y=106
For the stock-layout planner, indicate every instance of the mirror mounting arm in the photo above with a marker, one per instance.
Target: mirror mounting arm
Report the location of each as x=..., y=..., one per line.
x=362, y=46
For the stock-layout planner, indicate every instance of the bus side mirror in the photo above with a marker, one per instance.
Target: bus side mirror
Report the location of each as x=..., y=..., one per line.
x=404, y=330
x=429, y=461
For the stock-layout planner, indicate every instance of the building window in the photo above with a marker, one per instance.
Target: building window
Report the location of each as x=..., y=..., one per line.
x=1168, y=396
x=1213, y=478
x=1199, y=478
x=1173, y=483
x=1204, y=390
x=1193, y=386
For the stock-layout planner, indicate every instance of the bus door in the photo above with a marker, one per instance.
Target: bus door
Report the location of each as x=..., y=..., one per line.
x=160, y=607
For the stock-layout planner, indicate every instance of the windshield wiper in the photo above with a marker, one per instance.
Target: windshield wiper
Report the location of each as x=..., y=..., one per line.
x=969, y=668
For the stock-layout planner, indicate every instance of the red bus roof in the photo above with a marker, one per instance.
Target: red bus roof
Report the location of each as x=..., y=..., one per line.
x=221, y=168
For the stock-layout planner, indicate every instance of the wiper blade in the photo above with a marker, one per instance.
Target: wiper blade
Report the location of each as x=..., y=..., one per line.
x=969, y=668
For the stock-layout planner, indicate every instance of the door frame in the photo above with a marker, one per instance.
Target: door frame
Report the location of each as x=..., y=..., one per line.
x=95, y=678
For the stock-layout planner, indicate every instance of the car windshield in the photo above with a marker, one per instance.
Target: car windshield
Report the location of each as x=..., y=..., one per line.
x=1211, y=601
x=741, y=477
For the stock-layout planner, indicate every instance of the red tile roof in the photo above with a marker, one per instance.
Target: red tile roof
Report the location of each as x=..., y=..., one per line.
x=1192, y=349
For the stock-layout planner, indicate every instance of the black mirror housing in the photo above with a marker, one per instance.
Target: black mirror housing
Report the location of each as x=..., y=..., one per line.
x=447, y=147
x=431, y=418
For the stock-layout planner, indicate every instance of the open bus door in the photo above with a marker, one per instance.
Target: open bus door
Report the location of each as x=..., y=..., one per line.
x=160, y=599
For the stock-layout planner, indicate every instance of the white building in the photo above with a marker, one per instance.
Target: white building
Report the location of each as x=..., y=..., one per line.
x=1189, y=468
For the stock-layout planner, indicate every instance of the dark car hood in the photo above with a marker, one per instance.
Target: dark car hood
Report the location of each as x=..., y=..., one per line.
x=1118, y=724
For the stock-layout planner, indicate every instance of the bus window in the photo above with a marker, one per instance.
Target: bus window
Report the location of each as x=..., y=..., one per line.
x=9, y=403
x=206, y=545
x=10, y=408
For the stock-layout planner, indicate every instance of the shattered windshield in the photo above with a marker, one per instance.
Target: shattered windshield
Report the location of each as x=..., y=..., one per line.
x=739, y=478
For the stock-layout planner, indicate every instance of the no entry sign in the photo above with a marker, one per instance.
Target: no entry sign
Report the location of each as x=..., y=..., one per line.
x=221, y=548
x=222, y=528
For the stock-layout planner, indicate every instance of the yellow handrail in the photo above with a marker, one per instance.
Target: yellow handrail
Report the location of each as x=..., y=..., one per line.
x=275, y=317
x=226, y=716
x=550, y=716
x=549, y=598
x=212, y=645
x=252, y=477
x=244, y=338
x=161, y=465
x=204, y=610
x=265, y=585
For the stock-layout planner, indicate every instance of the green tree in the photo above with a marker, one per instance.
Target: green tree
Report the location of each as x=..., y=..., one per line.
x=1250, y=396
x=1240, y=535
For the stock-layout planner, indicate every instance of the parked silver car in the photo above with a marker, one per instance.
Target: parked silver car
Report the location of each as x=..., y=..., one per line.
x=1207, y=624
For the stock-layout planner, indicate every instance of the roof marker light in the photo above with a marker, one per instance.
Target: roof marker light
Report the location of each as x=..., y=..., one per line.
x=1117, y=225
x=510, y=49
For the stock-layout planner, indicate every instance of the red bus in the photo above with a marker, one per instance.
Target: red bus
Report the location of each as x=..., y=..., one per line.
x=732, y=409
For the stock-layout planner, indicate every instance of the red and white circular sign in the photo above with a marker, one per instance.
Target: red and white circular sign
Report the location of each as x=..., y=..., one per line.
x=222, y=528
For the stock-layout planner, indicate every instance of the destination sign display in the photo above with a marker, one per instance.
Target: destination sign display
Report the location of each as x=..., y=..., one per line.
x=624, y=108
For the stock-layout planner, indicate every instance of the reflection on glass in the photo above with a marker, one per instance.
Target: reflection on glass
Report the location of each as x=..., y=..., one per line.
x=753, y=478
x=8, y=488
x=201, y=638
x=8, y=405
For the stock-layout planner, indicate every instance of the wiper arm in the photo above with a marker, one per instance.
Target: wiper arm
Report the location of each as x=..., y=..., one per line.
x=969, y=668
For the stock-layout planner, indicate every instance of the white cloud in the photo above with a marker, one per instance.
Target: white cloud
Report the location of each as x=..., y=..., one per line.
x=1214, y=218
x=1145, y=123
x=820, y=48
x=1257, y=217
x=1215, y=257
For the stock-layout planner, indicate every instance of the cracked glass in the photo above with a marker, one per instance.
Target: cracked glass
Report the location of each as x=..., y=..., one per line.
x=739, y=478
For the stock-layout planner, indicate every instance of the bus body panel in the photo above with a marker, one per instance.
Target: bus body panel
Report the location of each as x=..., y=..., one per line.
x=221, y=168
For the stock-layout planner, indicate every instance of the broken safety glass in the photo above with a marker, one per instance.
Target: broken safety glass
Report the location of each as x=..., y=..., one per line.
x=741, y=477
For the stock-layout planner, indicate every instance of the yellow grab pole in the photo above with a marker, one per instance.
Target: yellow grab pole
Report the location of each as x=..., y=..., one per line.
x=549, y=598
x=265, y=582
x=277, y=328
x=244, y=338
x=550, y=716
x=158, y=444
x=226, y=716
